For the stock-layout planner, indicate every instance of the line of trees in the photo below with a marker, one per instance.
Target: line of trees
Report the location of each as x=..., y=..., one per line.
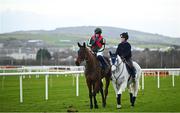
x=146, y=58
x=43, y=55
x=157, y=59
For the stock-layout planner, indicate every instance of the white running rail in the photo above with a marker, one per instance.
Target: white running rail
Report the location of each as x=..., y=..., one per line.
x=76, y=71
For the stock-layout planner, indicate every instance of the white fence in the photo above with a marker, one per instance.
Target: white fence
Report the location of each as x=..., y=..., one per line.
x=44, y=71
x=72, y=70
x=172, y=72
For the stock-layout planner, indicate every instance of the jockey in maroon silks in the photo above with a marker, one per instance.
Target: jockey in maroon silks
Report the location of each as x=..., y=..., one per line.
x=97, y=45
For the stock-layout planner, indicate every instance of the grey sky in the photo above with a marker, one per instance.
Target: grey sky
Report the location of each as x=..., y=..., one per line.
x=154, y=16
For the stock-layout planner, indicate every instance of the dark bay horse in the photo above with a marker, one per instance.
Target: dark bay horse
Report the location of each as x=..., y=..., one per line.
x=94, y=74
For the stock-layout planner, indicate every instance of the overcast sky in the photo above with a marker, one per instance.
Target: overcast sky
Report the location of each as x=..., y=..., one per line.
x=154, y=16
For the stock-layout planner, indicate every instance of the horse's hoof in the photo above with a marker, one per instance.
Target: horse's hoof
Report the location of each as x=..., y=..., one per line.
x=91, y=106
x=96, y=106
x=104, y=105
x=119, y=106
x=132, y=105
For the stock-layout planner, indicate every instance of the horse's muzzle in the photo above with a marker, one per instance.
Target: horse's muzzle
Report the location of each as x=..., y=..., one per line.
x=77, y=63
x=113, y=68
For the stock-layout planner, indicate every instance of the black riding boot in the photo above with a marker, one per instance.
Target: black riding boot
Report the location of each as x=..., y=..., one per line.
x=102, y=61
x=130, y=68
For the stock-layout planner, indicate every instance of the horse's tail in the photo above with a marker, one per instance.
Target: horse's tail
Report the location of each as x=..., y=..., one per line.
x=108, y=72
x=138, y=76
x=138, y=70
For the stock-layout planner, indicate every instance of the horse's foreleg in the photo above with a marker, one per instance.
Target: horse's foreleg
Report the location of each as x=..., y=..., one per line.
x=106, y=88
x=102, y=94
x=95, y=90
x=95, y=102
x=90, y=93
x=114, y=86
x=90, y=97
x=118, y=101
x=121, y=89
x=118, y=95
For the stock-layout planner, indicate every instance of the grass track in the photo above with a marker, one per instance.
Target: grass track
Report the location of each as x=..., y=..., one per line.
x=62, y=96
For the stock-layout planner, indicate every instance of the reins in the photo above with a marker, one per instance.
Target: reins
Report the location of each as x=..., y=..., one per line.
x=117, y=66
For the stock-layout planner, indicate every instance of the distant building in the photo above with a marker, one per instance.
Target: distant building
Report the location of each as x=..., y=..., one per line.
x=35, y=41
x=1, y=45
x=20, y=56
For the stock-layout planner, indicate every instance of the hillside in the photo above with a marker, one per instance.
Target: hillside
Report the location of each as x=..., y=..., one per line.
x=74, y=34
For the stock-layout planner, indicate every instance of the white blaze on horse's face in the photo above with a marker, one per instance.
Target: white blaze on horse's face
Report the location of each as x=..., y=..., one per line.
x=113, y=68
x=115, y=61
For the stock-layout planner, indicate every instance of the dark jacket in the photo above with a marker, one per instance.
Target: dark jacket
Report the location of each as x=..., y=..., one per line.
x=124, y=50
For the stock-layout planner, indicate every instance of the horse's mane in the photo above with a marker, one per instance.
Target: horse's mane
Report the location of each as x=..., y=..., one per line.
x=119, y=58
x=92, y=61
x=91, y=54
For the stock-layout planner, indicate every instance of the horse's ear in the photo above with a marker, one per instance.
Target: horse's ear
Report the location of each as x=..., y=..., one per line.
x=79, y=44
x=84, y=44
x=110, y=53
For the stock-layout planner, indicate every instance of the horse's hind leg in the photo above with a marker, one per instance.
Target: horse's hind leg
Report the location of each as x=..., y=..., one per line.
x=102, y=94
x=130, y=94
x=136, y=88
x=106, y=88
x=133, y=90
x=131, y=98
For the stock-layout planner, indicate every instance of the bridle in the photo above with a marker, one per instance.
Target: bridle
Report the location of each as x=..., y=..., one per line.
x=81, y=59
x=117, y=68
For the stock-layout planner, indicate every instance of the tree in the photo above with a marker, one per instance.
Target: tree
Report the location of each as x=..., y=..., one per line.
x=43, y=55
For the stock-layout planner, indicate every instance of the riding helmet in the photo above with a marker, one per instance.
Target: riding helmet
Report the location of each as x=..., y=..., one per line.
x=124, y=35
x=98, y=31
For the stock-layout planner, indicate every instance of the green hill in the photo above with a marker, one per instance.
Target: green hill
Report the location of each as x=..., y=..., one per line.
x=72, y=35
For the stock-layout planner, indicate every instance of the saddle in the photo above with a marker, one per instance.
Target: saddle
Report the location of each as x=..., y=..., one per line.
x=103, y=63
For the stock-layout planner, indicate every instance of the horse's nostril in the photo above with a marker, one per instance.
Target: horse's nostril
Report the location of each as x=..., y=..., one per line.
x=77, y=63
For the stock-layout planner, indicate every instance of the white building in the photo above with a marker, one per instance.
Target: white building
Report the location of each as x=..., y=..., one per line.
x=20, y=56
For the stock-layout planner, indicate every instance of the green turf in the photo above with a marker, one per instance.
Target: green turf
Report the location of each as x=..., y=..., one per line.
x=62, y=96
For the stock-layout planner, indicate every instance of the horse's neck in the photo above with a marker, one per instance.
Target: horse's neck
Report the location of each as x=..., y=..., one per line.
x=91, y=60
x=120, y=62
x=121, y=65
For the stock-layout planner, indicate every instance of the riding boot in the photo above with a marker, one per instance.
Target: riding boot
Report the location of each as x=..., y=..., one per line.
x=102, y=61
x=133, y=72
x=131, y=69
